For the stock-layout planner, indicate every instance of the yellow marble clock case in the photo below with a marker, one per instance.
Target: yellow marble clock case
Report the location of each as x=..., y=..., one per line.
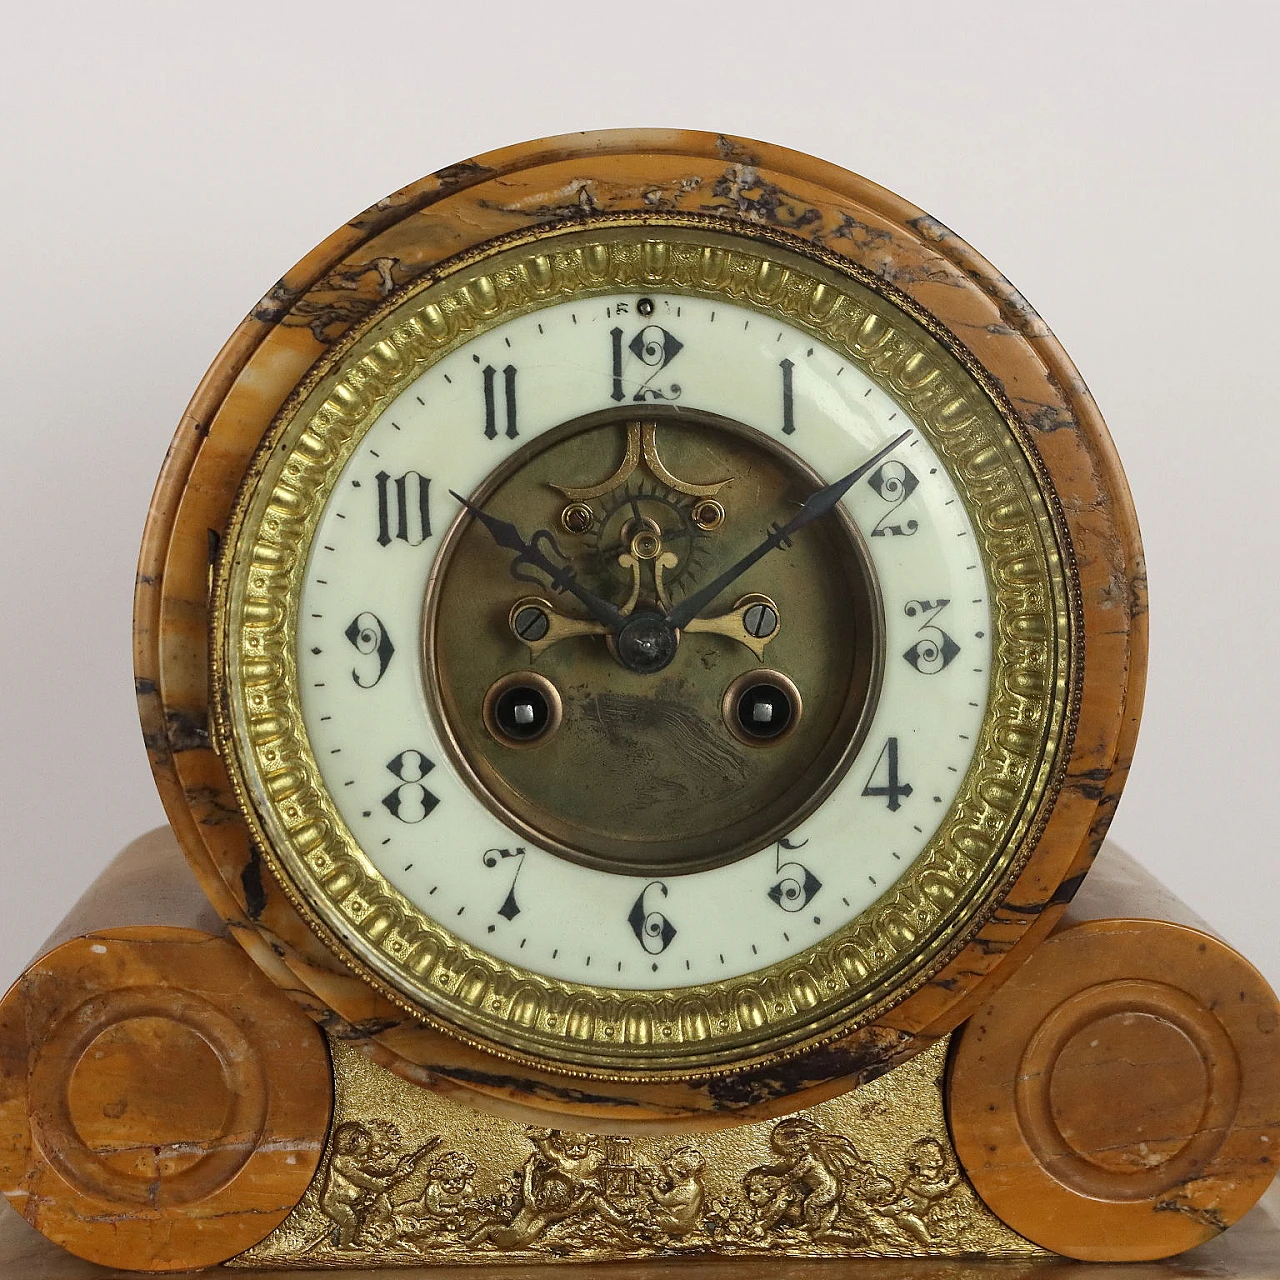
x=166, y=1103
x=572, y=180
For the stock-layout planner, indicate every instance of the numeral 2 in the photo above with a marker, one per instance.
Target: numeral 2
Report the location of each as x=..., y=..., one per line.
x=894, y=482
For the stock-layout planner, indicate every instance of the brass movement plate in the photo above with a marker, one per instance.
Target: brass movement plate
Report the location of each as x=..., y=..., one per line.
x=831, y=638
x=409, y=1177
x=849, y=978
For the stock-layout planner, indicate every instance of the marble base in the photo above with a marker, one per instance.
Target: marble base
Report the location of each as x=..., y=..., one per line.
x=1249, y=1251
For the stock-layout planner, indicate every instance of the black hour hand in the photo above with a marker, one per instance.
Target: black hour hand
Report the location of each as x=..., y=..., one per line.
x=560, y=577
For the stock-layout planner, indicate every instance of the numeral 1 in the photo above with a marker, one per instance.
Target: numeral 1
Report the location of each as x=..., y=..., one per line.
x=788, y=399
x=617, y=393
x=490, y=401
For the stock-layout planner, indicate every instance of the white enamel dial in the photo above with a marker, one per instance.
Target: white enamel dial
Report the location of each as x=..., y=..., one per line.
x=380, y=748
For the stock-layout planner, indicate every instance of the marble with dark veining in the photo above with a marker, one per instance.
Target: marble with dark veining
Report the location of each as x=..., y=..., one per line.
x=412, y=234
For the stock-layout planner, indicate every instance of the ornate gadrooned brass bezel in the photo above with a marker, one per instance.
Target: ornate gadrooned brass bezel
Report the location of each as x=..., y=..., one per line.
x=846, y=980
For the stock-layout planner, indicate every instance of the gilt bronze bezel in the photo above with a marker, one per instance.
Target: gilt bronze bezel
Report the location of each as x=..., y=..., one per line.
x=845, y=981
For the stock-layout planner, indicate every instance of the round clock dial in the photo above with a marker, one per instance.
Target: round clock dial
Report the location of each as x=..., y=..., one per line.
x=546, y=843
x=642, y=640
x=674, y=619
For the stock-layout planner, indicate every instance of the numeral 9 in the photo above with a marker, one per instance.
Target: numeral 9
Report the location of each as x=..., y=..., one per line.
x=368, y=636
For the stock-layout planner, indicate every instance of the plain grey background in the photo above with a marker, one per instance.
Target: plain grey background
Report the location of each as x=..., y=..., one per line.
x=164, y=163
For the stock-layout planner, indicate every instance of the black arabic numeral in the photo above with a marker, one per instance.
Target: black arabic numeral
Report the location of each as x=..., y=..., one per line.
x=410, y=801
x=653, y=930
x=369, y=637
x=894, y=482
x=495, y=857
x=655, y=348
x=508, y=400
x=932, y=653
x=935, y=650
x=893, y=790
x=796, y=885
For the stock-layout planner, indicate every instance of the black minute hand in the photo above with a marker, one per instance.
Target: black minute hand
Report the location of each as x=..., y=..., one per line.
x=560, y=576
x=817, y=504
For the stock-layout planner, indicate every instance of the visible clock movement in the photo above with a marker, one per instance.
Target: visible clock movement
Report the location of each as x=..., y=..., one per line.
x=673, y=620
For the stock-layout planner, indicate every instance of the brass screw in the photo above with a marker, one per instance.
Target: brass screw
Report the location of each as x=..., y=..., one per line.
x=577, y=517
x=708, y=515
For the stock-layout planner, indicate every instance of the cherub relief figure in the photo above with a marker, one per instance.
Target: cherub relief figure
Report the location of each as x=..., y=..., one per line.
x=448, y=1188
x=765, y=1195
x=355, y=1176
x=362, y=1174
x=436, y=1201
x=560, y=1180
x=677, y=1191
x=820, y=1184
x=925, y=1205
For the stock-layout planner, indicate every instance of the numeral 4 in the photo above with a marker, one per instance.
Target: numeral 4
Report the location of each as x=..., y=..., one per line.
x=892, y=789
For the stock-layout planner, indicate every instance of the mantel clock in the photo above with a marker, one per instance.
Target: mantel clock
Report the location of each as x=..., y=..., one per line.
x=640, y=635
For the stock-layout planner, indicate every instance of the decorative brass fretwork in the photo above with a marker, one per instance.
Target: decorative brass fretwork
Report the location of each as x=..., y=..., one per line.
x=753, y=621
x=410, y=1178
x=642, y=446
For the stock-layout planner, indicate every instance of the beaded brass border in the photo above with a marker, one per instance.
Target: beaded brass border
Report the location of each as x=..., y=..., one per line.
x=850, y=977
